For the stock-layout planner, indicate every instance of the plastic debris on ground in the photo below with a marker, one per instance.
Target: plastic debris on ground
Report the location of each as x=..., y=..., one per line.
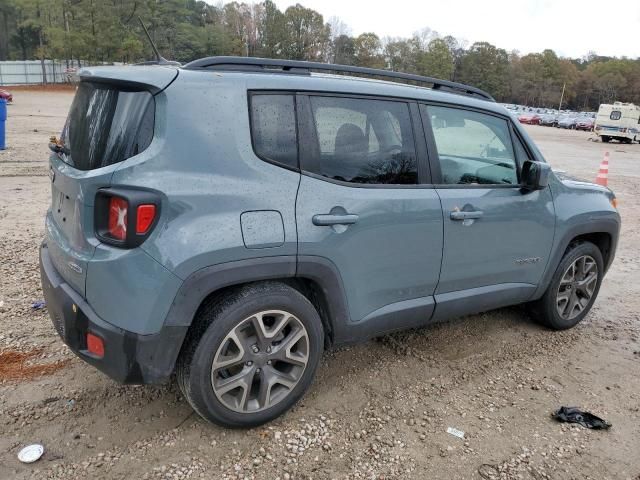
x=455, y=432
x=586, y=419
x=31, y=453
x=37, y=305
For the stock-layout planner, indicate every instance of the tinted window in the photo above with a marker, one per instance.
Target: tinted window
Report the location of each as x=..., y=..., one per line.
x=273, y=127
x=107, y=125
x=521, y=152
x=473, y=148
x=615, y=115
x=364, y=141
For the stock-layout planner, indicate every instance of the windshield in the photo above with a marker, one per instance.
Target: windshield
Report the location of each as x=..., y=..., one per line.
x=106, y=125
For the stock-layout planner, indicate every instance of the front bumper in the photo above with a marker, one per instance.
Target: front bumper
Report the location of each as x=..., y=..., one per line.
x=129, y=358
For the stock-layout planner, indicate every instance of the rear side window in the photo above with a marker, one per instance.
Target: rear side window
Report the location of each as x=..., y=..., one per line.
x=473, y=147
x=273, y=128
x=364, y=141
x=615, y=115
x=107, y=125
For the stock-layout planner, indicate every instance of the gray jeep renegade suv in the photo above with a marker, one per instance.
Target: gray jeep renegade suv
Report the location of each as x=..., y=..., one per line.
x=230, y=219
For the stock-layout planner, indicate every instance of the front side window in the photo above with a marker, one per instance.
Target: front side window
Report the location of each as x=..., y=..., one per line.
x=616, y=115
x=273, y=128
x=473, y=148
x=364, y=141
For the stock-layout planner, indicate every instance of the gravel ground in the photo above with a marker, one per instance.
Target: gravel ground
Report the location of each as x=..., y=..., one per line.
x=376, y=411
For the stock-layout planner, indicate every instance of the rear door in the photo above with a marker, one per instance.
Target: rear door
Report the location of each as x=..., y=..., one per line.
x=497, y=238
x=361, y=205
x=106, y=125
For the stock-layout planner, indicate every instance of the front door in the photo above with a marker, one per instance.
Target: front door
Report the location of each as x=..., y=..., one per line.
x=360, y=206
x=497, y=238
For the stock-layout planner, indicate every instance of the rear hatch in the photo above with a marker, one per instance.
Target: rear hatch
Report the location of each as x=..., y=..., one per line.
x=111, y=119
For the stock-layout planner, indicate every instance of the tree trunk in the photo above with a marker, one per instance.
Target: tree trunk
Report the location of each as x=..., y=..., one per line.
x=4, y=41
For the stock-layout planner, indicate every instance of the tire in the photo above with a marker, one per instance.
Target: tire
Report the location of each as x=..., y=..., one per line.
x=547, y=309
x=606, y=139
x=223, y=331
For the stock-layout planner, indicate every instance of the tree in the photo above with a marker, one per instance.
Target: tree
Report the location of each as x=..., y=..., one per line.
x=486, y=67
x=108, y=31
x=368, y=51
x=343, y=50
x=271, y=31
x=402, y=55
x=308, y=36
x=437, y=61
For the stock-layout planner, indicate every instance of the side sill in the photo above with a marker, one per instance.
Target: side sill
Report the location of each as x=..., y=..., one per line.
x=475, y=300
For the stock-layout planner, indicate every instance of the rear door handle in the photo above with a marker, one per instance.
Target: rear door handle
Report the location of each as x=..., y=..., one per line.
x=325, y=220
x=458, y=215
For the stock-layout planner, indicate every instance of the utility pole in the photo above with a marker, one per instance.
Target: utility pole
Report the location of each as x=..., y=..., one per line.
x=561, y=97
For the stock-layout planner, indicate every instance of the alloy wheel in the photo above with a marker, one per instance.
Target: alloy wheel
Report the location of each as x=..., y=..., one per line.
x=576, y=287
x=260, y=361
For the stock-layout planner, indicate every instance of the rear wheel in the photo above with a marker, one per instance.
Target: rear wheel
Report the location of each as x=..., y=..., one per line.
x=605, y=139
x=573, y=288
x=256, y=356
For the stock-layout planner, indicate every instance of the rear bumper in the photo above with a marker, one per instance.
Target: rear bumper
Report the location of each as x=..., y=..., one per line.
x=129, y=357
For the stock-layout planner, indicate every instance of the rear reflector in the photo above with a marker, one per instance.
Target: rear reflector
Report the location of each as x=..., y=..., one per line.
x=118, y=218
x=95, y=345
x=145, y=217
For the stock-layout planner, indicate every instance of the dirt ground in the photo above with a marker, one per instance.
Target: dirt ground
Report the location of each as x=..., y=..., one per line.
x=376, y=411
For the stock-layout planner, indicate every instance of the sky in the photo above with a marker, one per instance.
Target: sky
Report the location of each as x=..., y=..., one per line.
x=569, y=27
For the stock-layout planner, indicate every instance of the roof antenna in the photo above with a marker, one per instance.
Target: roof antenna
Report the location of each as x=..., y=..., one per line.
x=160, y=60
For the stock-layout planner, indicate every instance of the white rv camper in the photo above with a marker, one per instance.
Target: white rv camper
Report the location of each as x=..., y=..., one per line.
x=620, y=121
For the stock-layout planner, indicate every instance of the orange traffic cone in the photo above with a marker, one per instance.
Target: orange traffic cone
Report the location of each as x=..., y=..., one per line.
x=603, y=174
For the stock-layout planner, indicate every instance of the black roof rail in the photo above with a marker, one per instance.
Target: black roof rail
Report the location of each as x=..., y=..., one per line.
x=299, y=67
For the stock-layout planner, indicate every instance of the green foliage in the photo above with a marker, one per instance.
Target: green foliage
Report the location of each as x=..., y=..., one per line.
x=109, y=31
x=437, y=61
x=368, y=51
x=486, y=67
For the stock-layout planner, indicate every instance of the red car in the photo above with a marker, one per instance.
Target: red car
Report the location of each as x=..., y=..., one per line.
x=530, y=118
x=6, y=95
x=585, y=124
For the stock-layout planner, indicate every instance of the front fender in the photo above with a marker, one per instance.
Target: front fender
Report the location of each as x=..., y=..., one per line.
x=581, y=209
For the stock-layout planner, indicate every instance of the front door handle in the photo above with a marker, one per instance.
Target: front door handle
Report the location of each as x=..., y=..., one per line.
x=329, y=219
x=459, y=215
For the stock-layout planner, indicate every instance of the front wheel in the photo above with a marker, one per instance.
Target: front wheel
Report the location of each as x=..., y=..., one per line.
x=573, y=288
x=252, y=355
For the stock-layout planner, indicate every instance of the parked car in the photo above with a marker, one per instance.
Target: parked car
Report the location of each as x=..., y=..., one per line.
x=567, y=121
x=228, y=228
x=6, y=95
x=530, y=118
x=549, y=120
x=585, y=123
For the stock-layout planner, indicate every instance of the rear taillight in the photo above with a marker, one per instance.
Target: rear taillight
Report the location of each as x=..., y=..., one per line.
x=125, y=217
x=146, y=214
x=118, y=218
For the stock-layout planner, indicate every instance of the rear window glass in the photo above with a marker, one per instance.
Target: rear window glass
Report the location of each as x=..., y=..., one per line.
x=273, y=128
x=615, y=115
x=107, y=125
x=364, y=140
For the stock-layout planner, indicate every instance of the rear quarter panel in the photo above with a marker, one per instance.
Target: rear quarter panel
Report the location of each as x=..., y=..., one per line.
x=202, y=160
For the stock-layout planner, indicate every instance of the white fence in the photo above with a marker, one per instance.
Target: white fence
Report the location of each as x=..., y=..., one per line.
x=31, y=72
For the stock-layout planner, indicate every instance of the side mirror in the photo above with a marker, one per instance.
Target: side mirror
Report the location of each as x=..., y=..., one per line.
x=535, y=175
